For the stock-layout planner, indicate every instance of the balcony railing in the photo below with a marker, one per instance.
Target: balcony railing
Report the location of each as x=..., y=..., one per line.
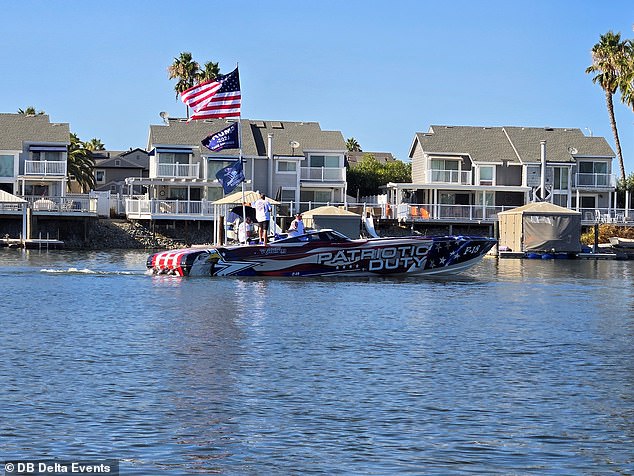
x=462, y=177
x=323, y=174
x=594, y=180
x=168, y=208
x=418, y=212
x=173, y=170
x=64, y=205
x=45, y=167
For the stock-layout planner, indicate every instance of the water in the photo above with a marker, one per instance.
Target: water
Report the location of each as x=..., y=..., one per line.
x=516, y=367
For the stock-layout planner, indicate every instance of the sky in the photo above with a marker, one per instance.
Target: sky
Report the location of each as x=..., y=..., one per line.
x=377, y=71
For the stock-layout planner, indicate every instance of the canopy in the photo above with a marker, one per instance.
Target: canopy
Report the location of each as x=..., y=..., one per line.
x=7, y=197
x=540, y=226
x=249, y=196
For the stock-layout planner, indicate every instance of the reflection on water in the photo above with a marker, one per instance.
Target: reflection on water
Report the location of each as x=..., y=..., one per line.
x=516, y=367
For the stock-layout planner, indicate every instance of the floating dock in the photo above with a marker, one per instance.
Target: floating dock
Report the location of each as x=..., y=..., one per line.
x=32, y=243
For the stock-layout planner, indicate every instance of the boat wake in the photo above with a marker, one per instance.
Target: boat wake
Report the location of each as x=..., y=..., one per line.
x=87, y=271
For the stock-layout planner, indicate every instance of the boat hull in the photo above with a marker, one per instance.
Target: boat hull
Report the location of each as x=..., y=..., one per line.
x=403, y=256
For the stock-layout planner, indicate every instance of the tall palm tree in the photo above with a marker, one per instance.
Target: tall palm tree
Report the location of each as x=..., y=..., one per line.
x=608, y=58
x=626, y=84
x=80, y=164
x=210, y=70
x=94, y=144
x=352, y=145
x=186, y=70
x=30, y=111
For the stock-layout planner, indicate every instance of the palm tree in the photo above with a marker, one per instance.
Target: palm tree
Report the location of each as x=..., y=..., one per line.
x=352, y=145
x=608, y=59
x=210, y=71
x=30, y=111
x=626, y=85
x=94, y=144
x=80, y=164
x=186, y=70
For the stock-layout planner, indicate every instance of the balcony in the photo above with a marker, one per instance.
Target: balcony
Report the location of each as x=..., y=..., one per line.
x=594, y=181
x=169, y=209
x=184, y=171
x=45, y=168
x=323, y=174
x=460, y=177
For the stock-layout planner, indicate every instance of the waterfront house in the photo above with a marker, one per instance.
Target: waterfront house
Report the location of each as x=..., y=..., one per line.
x=353, y=158
x=33, y=155
x=290, y=161
x=464, y=173
x=112, y=168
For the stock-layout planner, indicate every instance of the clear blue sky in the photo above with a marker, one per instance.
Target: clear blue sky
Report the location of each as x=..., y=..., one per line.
x=378, y=71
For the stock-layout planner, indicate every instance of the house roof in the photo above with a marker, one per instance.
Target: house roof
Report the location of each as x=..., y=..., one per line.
x=308, y=135
x=383, y=157
x=511, y=143
x=15, y=129
x=540, y=208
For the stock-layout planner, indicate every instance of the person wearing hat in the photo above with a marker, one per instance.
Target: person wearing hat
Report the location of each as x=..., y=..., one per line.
x=297, y=226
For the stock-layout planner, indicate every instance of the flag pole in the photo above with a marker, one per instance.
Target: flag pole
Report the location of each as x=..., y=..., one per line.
x=244, y=209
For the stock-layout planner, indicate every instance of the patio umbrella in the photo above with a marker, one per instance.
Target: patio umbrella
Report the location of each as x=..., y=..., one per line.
x=250, y=211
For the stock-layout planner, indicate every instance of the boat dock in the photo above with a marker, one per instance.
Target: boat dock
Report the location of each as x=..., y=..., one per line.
x=32, y=243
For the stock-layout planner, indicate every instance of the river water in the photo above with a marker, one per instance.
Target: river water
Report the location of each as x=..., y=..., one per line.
x=515, y=367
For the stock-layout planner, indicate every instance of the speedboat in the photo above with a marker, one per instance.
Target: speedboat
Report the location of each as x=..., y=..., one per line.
x=327, y=252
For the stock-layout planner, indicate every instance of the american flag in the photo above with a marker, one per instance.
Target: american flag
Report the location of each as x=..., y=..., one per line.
x=215, y=98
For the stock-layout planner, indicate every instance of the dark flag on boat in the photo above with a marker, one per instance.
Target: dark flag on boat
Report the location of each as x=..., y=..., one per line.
x=231, y=176
x=224, y=139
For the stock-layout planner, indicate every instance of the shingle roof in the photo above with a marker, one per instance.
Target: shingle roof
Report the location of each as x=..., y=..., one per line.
x=254, y=136
x=382, y=157
x=512, y=143
x=15, y=129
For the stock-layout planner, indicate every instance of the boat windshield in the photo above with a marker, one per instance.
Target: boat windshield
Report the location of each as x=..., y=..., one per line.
x=331, y=236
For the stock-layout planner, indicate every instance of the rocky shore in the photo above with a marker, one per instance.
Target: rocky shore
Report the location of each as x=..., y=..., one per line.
x=121, y=234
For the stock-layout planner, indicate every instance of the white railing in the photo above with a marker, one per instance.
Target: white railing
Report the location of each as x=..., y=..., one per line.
x=323, y=174
x=62, y=205
x=45, y=167
x=168, y=208
x=595, y=180
x=173, y=170
x=422, y=212
x=450, y=176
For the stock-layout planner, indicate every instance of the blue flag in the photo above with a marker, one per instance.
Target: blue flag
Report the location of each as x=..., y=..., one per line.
x=231, y=176
x=224, y=139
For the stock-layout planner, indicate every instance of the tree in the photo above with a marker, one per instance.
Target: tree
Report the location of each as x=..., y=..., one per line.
x=80, y=164
x=94, y=144
x=626, y=83
x=369, y=174
x=352, y=145
x=30, y=111
x=609, y=60
x=209, y=72
x=186, y=70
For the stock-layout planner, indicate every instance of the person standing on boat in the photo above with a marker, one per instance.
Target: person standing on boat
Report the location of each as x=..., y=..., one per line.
x=263, y=216
x=297, y=226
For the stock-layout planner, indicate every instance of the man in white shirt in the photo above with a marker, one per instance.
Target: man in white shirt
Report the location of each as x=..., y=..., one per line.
x=263, y=216
x=245, y=231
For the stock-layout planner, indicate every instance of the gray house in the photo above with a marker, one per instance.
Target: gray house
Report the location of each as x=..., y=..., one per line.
x=33, y=155
x=472, y=173
x=290, y=161
x=112, y=168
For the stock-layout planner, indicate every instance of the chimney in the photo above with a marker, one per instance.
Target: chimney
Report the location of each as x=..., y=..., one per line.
x=269, y=150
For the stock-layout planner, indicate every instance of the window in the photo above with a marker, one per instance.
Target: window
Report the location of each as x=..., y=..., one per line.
x=288, y=195
x=173, y=158
x=560, y=178
x=286, y=166
x=100, y=176
x=487, y=174
x=316, y=196
x=440, y=164
x=328, y=161
x=177, y=193
x=593, y=173
x=6, y=166
x=117, y=163
x=50, y=155
x=214, y=193
x=213, y=166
